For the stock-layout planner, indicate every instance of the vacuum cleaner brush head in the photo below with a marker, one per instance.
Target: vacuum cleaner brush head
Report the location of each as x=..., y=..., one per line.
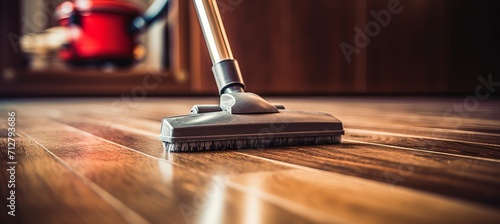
x=223, y=130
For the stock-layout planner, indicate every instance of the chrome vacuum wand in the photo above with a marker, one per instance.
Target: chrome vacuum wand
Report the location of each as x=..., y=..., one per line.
x=225, y=68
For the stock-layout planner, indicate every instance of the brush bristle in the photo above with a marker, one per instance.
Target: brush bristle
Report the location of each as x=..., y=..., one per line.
x=250, y=143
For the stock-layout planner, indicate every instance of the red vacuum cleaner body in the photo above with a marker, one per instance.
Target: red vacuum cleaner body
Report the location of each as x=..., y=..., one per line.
x=103, y=31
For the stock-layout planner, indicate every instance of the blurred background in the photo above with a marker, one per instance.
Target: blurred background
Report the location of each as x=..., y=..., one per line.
x=284, y=47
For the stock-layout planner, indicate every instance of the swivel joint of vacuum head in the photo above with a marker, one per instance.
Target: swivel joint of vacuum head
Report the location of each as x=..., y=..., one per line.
x=228, y=76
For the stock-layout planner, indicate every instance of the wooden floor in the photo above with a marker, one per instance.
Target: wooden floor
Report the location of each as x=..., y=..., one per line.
x=402, y=160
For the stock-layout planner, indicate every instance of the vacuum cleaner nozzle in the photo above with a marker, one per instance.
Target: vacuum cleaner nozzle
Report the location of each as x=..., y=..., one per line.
x=244, y=120
x=241, y=120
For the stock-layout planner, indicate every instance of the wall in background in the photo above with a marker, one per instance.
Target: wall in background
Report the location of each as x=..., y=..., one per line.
x=293, y=46
x=10, y=55
x=296, y=47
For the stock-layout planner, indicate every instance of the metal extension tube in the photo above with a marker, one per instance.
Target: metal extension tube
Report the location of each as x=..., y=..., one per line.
x=225, y=68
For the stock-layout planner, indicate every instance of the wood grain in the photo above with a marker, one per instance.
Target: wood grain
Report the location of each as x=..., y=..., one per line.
x=48, y=192
x=360, y=201
x=457, y=147
x=407, y=167
x=399, y=162
x=469, y=179
x=480, y=145
x=156, y=189
x=215, y=163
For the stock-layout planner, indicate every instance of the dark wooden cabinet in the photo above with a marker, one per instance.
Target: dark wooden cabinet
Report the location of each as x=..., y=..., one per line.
x=411, y=53
x=287, y=46
x=293, y=46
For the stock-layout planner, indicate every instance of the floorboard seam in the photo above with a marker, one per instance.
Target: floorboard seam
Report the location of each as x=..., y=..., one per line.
x=127, y=213
x=419, y=136
x=421, y=150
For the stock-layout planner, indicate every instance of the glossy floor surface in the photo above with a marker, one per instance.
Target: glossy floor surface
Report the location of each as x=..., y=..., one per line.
x=402, y=160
